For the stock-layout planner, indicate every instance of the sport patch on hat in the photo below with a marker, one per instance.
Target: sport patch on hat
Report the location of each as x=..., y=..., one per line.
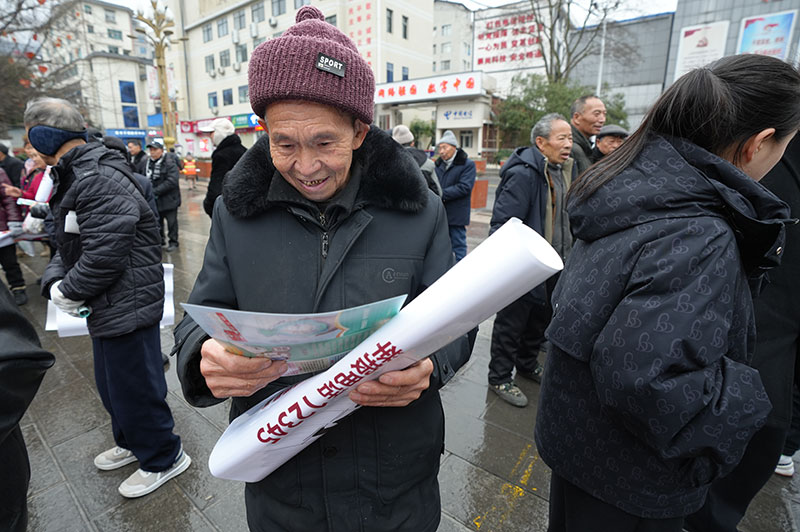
x=331, y=65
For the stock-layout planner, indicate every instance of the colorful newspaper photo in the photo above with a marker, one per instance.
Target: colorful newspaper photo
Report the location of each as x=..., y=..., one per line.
x=308, y=342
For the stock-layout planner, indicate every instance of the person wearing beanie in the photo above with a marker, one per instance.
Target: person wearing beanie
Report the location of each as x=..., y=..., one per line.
x=226, y=154
x=403, y=136
x=326, y=212
x=456, y=173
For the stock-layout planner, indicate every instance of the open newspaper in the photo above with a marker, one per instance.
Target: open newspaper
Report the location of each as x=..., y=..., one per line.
x=308, y=342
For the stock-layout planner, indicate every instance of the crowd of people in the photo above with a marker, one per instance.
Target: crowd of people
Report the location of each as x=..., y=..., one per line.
x=660, y=406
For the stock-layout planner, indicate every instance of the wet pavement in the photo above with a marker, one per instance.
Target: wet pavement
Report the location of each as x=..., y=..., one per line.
x=492, y=478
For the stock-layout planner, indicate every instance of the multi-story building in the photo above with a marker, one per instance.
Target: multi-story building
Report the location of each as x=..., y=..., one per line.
x=452, y=38
x=394, y=37
x=103, y=67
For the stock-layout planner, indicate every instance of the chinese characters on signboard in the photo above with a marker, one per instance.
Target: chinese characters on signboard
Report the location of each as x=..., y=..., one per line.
x=507, y=41
x=466, y=84
x=700, y=45
x=767, y=34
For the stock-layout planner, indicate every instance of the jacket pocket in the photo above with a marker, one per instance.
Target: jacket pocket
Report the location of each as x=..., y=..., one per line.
x=409, y=445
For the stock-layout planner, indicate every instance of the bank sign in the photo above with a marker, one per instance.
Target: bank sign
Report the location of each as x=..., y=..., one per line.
x=433, y=88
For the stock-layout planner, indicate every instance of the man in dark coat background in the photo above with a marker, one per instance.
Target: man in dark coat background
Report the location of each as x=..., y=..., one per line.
x=587, y=116
x=23, y=363
x=108, y=265
x=138, y=157
x=403, y=136
x=163, y=174
x=456, y=173
x=533, y=187
x=13, y=166
x=228, y=151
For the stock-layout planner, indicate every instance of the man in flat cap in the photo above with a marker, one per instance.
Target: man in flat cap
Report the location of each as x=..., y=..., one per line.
x=609, y=139
x=324, y=213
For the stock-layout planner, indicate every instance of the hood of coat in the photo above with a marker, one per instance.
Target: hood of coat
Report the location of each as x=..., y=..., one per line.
x=673, y=178
x=390, y=178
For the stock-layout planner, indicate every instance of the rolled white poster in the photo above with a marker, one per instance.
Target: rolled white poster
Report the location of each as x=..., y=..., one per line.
x=45, y=187
x=506, y=265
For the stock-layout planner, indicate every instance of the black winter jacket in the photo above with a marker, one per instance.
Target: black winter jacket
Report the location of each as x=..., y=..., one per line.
x=581, y=150
x=647, y=396
x=114, y=262
x=166, y=187
x=376, y=469
x=778, y=305
x=457, y=182
x=225, y=157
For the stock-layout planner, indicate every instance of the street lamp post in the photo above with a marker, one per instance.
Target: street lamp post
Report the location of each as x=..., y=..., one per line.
x=160, y=39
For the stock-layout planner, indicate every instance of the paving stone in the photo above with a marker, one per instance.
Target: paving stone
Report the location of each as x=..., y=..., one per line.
x=45, y=472
x=55, y=510
x=68, y=411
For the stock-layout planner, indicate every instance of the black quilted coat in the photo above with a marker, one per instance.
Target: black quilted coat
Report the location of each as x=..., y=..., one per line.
x=114, y=262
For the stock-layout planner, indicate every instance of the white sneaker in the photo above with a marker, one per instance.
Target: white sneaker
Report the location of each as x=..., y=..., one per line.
x=785, y=466
x=144, y=482
x=113, y=459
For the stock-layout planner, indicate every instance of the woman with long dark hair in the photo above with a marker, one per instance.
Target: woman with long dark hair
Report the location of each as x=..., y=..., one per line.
x=647, y=396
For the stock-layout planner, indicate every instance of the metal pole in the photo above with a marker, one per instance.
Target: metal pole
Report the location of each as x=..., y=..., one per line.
x=602, y=54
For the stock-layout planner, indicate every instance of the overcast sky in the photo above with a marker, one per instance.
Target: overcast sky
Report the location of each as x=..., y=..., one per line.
x=632, y=8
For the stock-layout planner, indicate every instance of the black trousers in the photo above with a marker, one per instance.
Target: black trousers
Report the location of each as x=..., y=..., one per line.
x=729, y=496
x=574, y=510
x=15, y=472
x=171, y=219
x=792, y=444
x=8, y=260
x=129, y=374
x=518, y=334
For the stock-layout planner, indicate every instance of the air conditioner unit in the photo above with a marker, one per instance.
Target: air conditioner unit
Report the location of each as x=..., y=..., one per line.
x=212, y=73
x=273, y=21
x=254, y=30
x=237, y=66
x=235, y=36
x=221, y=71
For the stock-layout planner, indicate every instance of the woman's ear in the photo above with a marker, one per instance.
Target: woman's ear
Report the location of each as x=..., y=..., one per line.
x=753, y=145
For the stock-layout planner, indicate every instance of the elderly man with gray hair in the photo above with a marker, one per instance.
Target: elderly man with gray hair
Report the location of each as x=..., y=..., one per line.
x=533, y=187
x=108, y=267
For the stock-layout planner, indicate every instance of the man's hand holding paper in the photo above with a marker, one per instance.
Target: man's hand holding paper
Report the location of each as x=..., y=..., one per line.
x=231, y=375
x=395, y=388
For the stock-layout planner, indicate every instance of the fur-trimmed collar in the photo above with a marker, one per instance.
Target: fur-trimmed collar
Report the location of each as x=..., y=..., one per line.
x=460, y=158
x=390, y=178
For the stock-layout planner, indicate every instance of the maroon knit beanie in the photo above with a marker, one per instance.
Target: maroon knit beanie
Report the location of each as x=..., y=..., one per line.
x=313, y=61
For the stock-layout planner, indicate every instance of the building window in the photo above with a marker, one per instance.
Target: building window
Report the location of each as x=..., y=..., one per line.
x=244, y=95
x=389, y=72
x=225, y=58
x=111, y=50
x=384, y=121
x=227, y=97
x=405, y=27
x=467, y=65
x=405, y=73
x=257, y=12
x=209, y=63
x=127, y=92
x=239, y=20
x=258, y=40
x=222, y=27
x=115, y=34
x=89, y=28
x=278, y=7
x=446, y=29
x=331, y=20
x=212, y=99
x=389, y=14
x=300, y=3
x=467, y=49
x=241, y=53
x=142, y=51
x=111, y=16
x=87, y=9
x=466, y=139
x=447, y=47
x=434, y=49
x=130, y=116
x=445, y=65
x=208, y=32
x=434, y=66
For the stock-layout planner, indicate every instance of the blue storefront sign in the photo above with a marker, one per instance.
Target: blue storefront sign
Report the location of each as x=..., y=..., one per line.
x=127, y=133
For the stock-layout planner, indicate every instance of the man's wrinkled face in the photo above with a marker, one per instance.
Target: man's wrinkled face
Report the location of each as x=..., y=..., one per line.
x=312, y=146
x=134, y=148
x=156, y=153
x=592, y=118
x=558, y=145
x=609, y=143
x=446, y=151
